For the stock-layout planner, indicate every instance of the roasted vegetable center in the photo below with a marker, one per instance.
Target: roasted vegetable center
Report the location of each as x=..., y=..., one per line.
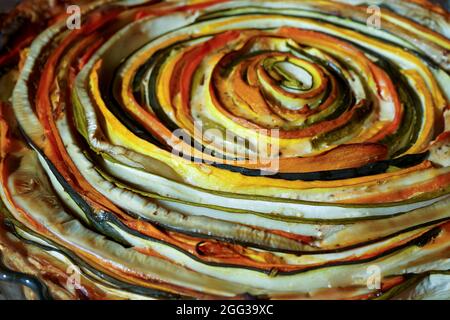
x=227, y=149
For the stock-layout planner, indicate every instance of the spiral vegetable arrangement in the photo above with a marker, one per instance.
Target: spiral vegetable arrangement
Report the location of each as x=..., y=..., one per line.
x=231, y=149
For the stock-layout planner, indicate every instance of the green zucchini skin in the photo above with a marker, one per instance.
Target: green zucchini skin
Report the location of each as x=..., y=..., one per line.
x=407, y=134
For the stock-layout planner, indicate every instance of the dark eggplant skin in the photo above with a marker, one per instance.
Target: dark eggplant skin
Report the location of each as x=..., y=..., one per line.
x=42, y=291
x=366, y=170
x=38, y=287
x=419, y=241
x=95, y=218
x=158, y=294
